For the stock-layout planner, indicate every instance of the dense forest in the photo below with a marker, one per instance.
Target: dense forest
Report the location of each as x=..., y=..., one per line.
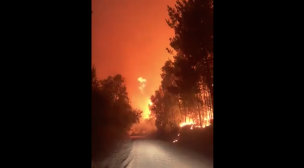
x=186, y=90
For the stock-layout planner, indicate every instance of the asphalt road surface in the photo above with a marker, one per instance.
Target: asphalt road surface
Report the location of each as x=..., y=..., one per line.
x=157, y=154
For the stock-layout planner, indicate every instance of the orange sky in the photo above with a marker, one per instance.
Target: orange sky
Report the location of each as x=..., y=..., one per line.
x=130, y=37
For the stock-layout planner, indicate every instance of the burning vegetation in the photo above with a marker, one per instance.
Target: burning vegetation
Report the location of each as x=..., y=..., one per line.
x=185, y=94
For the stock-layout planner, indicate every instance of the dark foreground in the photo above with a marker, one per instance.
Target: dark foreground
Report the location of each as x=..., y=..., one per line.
x=147, y=153
x=194, y=149
x=197, y=140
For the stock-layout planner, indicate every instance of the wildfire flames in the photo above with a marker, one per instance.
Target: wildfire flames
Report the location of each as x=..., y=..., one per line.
x=205, y=121
x=146, y=110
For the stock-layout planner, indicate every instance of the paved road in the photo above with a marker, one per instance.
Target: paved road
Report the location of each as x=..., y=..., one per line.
x=157, y=154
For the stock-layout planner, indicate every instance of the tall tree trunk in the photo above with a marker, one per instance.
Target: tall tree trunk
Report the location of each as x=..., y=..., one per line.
x=202, y=104
x=174, y=120
x=185, y=115
x=199, y=114
x=179, y=107
x=209, y=78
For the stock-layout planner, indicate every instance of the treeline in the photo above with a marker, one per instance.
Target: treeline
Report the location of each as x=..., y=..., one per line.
x=112, y=113
x=186, y=89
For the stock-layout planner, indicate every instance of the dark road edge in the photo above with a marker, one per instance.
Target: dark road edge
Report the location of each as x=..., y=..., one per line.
x=129, y=158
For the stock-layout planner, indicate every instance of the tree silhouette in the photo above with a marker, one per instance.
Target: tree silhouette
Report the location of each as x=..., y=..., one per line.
x=112, y=114
x=187, y=80
x=192, y=22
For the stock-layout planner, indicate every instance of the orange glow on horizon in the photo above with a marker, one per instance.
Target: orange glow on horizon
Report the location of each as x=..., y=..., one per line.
x=130, y=38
